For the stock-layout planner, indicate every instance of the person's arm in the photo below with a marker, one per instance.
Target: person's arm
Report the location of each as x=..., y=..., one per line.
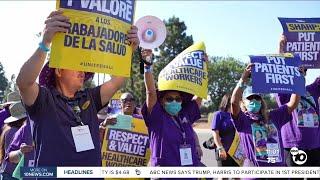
x=293, y=103
x=198, y=147
x=14, y=156
x=149, y=82
x=282, y=44
x=237, y=92
x=109, y=88
x=26, y=80
x=217, y=141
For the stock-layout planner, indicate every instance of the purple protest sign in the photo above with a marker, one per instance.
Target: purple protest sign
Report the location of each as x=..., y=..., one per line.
x=277, y=74
x=303, y=38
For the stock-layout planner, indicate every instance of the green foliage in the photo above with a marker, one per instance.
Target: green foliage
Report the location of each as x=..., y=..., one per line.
x=223, y=75
x=271, y=102
x=176, y=41
x=3, y=82
x=135, y=83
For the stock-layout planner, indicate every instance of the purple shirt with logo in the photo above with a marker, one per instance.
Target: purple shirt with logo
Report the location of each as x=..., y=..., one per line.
x=244, y=125
x=222, y=122
x=53, y=120
x=166, y=137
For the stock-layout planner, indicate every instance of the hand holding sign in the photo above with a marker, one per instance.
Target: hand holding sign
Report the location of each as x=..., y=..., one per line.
x=282, y=43
x=55, y=22
x=133, y=37
x=247, y=73
x=302, y=37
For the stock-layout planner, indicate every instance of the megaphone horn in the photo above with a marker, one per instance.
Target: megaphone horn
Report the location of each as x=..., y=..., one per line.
x=151, y=32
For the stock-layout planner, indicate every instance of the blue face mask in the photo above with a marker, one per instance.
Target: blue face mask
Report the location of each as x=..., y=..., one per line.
x=254, y=106
x=173, y=108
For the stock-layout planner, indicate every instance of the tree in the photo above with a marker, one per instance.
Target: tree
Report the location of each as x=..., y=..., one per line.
x=176, y=41
x=3, y=82
x=135, y=84
x=223, y=75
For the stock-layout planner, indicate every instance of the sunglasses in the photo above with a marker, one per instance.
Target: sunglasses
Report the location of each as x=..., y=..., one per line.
x=170, y=99
x=127, y=100
x=256, y=97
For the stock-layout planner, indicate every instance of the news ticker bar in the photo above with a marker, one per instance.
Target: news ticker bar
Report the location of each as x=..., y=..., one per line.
x=171, y=172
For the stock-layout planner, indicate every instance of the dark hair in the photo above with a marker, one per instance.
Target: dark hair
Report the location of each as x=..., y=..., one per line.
x=225, y=102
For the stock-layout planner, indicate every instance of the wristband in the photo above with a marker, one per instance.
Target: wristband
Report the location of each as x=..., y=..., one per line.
x=20, y=154
x=220, y=148
x=43, y=47
x=241, y=84
x=147, y=69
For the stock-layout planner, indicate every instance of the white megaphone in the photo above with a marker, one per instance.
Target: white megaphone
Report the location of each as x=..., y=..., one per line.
x=151, y=32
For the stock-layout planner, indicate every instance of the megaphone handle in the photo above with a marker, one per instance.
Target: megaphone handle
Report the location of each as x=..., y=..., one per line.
x=141, y=67
x=143, y=60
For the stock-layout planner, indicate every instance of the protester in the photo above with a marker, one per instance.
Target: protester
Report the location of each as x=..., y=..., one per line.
x=169, y=116
x=128, y=107
x=223, y=132
x=59, y=108
x=12, y=124
x=253, y=118
x=12, y=97
x=298, y=132
x=22, y=143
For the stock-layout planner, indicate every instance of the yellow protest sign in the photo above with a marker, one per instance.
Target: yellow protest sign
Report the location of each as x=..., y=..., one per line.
x=96, y=40
x=126, y=147
x=236, y=150
x=187, y=72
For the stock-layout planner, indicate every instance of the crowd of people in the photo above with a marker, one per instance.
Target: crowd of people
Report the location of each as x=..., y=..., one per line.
x=41, y=121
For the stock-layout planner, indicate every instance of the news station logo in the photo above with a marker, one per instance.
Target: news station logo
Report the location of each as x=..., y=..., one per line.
x=298, y=156
x=38, y=172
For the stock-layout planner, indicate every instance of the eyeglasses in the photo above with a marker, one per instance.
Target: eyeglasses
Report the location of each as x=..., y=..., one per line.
x=170, y=99
x=127, y=100
x=256, y=97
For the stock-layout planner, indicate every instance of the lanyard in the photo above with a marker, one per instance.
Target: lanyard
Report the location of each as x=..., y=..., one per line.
x=73, y=105
x=178, y=123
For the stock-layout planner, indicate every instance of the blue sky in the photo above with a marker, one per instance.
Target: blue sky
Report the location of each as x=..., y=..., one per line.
x=228, y=28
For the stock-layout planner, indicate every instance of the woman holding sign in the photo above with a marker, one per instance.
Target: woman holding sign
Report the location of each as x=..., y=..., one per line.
x=65, y=116
x=256, y=125
x=169, y=116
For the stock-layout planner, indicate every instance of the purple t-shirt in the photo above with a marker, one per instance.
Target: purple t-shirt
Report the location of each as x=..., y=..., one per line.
x=7, y=166
x=23, y=135
x=294, y=134
x=4, y=114
x=53, y=119
x=166, y=137
x=262, y=143
x=314, y=90
x=222, y=121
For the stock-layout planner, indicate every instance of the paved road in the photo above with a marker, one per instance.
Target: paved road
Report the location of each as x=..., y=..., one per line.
x=208, y=155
